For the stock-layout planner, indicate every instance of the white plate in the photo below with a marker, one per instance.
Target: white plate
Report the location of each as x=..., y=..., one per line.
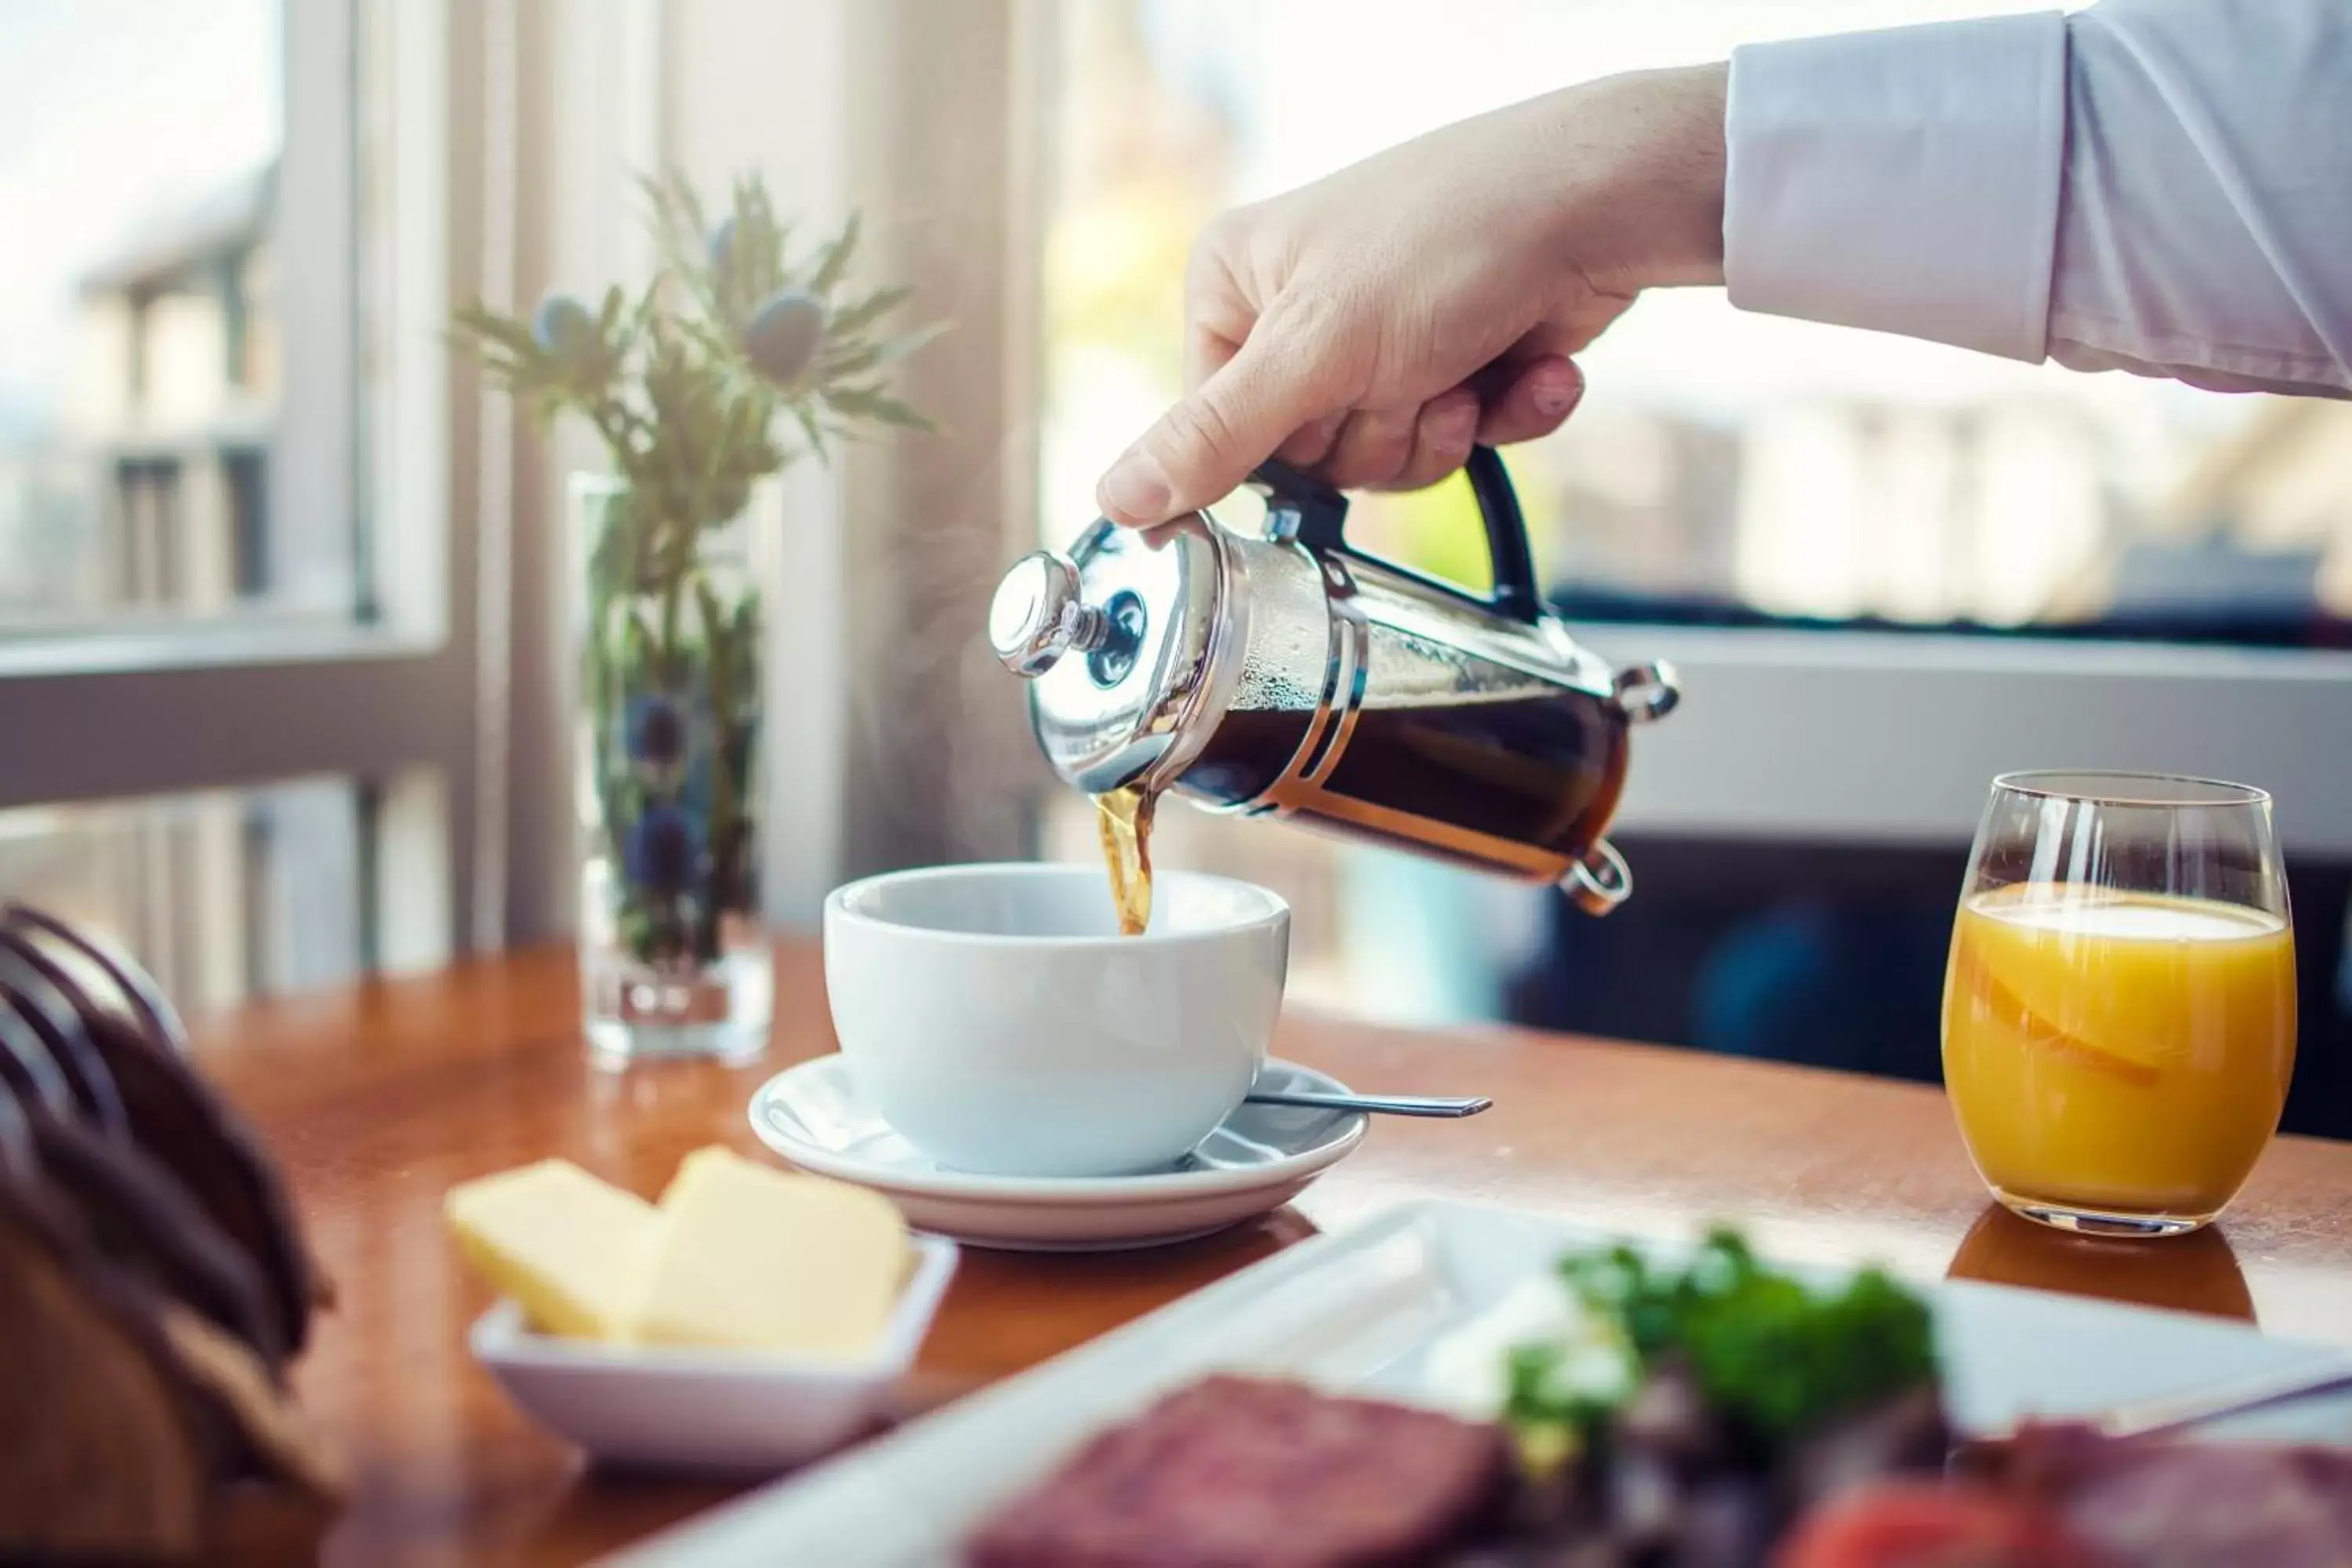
x=733, y=1411
x=1260, y=1158
x=1381, y=1308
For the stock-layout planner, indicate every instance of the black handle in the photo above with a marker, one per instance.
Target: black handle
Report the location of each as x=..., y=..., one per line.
x=1301, y=507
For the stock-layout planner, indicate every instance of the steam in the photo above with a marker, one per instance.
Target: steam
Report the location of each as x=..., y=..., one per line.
x=941, y=760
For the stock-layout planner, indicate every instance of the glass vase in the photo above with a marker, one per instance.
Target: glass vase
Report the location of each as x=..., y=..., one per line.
x=669, y=655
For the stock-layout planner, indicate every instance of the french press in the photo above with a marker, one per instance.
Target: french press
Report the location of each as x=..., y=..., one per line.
x=1289, y=674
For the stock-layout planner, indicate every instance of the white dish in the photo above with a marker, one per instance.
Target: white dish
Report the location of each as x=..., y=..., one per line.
x=669, y=1408
x=1384, y=1308
x=1000, y=1021
x=1260, y=1158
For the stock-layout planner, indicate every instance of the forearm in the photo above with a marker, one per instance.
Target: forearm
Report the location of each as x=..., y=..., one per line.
x=1903, y=181
x=2206, y=232
x=2158, y=186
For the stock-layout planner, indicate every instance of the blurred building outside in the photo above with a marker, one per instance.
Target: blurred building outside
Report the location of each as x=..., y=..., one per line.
x=174, y=405
x=134, y=487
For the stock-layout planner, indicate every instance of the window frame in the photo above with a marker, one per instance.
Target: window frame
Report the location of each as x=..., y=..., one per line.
x=370, y=235
x=1889, y=738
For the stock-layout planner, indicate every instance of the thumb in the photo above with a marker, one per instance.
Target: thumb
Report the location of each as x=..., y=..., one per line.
x=1203, y=448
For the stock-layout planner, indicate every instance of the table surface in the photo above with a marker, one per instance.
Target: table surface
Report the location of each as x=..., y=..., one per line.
x=377, y=1100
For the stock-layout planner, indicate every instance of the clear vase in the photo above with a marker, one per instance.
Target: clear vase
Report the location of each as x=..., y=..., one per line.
x=669, y=643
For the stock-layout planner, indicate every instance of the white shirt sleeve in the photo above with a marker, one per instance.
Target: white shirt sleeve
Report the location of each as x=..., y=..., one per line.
x=2162, y=186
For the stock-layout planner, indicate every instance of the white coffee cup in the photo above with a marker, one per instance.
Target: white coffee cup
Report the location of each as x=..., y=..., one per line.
x=994, y=1017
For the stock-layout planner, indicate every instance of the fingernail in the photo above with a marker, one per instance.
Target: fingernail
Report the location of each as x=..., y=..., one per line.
x=1453, y=425
x=1555, y=391
x=1135, y=489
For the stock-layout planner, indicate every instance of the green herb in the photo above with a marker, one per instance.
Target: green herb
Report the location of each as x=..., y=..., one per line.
x=1771, y=1355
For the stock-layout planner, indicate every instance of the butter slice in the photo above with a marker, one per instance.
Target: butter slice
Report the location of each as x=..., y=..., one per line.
x=752, y=1258
x=574, y=1250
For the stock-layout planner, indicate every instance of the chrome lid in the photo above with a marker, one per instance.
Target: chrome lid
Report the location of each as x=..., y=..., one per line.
x=1118, y=639
x=1036, y=616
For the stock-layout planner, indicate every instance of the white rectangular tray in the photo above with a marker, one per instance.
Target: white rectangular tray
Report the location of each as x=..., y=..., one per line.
x=1370, y=1309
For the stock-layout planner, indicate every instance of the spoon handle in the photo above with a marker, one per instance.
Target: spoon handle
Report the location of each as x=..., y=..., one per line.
x=1376, y=1104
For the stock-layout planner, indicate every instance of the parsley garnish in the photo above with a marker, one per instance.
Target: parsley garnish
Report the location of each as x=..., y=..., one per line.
x=1772, y=1357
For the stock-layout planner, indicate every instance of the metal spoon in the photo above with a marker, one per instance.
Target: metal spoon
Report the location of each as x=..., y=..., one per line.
x=1374, y=1104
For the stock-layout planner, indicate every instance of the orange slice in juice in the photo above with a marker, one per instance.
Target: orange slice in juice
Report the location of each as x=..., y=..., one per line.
x=2010, y=1013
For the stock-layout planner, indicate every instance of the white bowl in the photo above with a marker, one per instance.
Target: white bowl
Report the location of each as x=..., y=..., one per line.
x=728, y=1410
x=997, y=1020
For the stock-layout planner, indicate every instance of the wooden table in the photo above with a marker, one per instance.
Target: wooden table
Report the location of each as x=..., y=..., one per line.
x=377, y=1100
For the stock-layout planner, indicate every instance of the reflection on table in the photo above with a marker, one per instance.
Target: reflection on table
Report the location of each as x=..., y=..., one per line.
x=2193, y=1273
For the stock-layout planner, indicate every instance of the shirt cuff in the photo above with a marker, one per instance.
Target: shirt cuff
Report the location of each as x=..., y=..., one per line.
x=1904, y=181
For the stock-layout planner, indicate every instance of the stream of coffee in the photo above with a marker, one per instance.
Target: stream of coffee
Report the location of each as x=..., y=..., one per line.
x=1124, y=817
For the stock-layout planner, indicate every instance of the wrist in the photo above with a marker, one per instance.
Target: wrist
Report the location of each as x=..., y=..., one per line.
x=1643, y=204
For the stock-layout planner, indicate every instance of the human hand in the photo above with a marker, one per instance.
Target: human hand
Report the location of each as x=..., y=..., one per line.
x=1375, y=324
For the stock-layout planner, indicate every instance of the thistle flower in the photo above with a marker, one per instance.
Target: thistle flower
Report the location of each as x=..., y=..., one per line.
x=657, y=731
x=561, y=324
x=664, y=852
x=783, y=335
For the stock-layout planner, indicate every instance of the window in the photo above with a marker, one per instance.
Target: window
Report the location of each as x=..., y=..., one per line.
x=226, y=538
x=141, y=364
x=223, y=894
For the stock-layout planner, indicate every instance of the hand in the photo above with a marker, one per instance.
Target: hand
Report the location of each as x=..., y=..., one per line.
x=1375, y=324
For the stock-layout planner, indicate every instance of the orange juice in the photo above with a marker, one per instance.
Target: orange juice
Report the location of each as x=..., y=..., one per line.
x=2117, y=1052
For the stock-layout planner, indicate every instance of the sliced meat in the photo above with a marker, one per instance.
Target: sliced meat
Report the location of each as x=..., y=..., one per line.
x=1238, y=1472
x=2181, y=1504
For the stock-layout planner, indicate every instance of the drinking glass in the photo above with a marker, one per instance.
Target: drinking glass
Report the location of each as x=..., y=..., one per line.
x=2119, y=1007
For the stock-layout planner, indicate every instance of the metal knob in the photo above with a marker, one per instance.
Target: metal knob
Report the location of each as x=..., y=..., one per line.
x=1646, y=693
x=1036, y=616
x=1599, y=882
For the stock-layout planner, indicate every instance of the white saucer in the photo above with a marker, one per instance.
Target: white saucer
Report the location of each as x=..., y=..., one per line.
x=1259, y=1159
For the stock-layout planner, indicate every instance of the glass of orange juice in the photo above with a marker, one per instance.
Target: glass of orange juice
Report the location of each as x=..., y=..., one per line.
x=2119, y=1012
